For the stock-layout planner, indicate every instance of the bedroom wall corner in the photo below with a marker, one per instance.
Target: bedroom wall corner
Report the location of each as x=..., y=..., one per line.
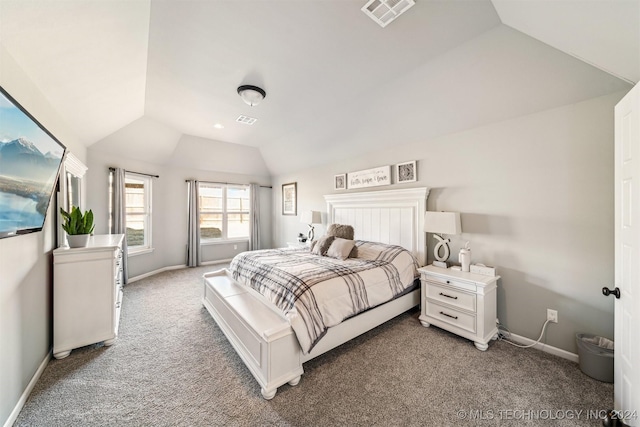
x=169, y=214
x=26, y=264
x=536, y=200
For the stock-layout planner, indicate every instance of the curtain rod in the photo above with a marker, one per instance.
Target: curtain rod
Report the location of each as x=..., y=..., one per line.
x=227, y=183
x=138, y=173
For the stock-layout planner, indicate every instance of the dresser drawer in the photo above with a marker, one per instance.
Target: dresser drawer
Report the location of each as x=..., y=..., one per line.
x=451, y=296
x=451, y=316
x=450, y=282
x=117, y=267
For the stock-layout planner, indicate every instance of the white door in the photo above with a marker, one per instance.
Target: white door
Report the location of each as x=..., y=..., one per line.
x=627, y=257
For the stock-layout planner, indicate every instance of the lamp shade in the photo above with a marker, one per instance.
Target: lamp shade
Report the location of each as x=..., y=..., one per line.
x=442, y=222
x=311, y=217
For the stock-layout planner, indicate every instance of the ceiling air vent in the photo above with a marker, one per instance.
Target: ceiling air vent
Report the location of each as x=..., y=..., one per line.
x=385, y=11
x=246, y=120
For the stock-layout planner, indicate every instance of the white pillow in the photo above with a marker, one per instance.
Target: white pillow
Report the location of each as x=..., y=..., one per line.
x=340, y=248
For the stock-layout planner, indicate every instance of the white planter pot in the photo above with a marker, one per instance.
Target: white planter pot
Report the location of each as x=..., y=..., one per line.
x=78, y=240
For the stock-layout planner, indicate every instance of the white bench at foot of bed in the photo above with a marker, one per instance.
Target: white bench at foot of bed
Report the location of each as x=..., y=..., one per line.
x=262, y=338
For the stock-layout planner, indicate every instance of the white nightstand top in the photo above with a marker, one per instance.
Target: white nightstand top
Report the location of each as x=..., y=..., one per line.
x=297, y=245
x=457, y=274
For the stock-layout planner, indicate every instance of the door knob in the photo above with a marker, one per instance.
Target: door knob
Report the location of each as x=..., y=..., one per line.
x=606, y=292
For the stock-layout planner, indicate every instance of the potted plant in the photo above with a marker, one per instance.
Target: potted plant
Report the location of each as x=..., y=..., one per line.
x=78, y=226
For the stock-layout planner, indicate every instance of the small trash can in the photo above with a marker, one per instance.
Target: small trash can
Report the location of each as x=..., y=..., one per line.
x=595, y=356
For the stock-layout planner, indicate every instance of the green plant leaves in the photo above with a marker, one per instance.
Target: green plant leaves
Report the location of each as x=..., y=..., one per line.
x=76, y=222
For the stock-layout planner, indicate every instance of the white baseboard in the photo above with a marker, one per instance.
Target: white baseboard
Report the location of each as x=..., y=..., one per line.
x=221, y=261
x=173, y=267
x=545, y=347
x=25, y=395
x=151, y=273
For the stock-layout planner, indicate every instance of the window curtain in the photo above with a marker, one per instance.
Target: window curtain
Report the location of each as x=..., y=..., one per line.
x=119, y=216
x=254, y=217
x=193, y=236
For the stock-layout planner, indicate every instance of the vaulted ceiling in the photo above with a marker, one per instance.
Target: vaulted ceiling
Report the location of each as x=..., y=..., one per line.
x=150, y=78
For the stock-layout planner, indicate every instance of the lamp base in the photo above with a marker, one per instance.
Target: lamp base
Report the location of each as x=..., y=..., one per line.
x=441, y=264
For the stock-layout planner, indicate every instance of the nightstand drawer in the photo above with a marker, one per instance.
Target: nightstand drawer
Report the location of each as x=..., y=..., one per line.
x=450, y=282
x=455, y=297
x=453, y=317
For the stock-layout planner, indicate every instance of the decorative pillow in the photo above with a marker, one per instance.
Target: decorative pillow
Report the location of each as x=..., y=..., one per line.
x=354, y=252
x=341, y=231
x=340, y=248
x=322, y=244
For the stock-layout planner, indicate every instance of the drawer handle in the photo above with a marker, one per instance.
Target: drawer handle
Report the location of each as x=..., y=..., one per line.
x=448, y=315
x=448, y=296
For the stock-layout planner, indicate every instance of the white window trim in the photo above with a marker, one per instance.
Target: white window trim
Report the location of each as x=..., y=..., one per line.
x=208, y=242
x=148, y=247
x=225, y=240
x=139, y=250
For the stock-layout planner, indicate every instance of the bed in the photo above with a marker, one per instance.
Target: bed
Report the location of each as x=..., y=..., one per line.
x=267, y=330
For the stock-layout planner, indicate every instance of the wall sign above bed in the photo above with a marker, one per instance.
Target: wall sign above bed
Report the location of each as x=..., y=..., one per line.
x=370, y=177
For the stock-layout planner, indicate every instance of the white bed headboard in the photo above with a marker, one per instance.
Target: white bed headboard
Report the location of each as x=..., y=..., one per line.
x=390, y=216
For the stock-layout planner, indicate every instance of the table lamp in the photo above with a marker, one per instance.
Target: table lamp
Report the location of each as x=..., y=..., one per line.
x=442, y=223
x=310, y=218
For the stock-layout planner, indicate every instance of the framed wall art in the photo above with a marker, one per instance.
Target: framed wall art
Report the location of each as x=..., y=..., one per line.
x=406, y=172
x=340, y=182
x=289, y=199
x=370, y=177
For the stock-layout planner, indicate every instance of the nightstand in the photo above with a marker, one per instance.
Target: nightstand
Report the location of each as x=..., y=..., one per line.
x=462, y=303
x=297, y=245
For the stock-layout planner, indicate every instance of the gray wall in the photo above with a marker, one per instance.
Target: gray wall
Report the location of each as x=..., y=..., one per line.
x=169, y=209
x=536, y=200
x=26, y=262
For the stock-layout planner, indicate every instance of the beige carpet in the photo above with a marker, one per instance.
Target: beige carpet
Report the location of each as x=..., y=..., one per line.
x=172, y=366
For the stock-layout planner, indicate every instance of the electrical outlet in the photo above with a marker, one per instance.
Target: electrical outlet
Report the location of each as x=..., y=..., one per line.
x=552, y=315
x=235, y=247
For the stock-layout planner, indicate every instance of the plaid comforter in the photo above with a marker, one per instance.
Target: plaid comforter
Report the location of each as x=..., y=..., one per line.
x=317, y=292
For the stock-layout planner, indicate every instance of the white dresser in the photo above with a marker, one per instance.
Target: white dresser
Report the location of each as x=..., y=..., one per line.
x=462, y=303
x=87, y=294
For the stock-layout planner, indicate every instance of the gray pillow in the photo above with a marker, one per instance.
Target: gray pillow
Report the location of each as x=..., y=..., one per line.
x=322, y=244
x=340, y=248
x=354, y=252
x=340, y=230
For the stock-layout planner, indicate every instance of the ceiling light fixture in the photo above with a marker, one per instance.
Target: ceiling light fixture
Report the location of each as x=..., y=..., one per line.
x=251, y=95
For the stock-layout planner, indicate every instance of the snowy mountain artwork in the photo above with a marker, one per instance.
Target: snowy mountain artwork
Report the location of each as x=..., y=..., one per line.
x=30, y=159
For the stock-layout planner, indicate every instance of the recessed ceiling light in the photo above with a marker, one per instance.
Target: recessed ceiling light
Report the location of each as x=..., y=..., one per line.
x=218, y=126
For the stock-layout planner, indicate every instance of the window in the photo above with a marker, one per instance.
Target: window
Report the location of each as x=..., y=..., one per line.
x=224, y=212
x=138, y=212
